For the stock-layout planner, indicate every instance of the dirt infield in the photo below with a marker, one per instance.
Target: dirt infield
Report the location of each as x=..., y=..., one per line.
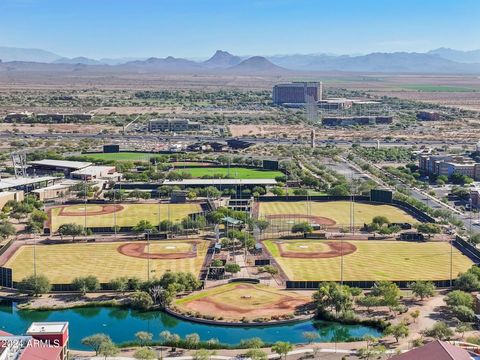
x=337, y=248
x=320, y=220
x=138, y=251
x=239, y=301
x=106, y=209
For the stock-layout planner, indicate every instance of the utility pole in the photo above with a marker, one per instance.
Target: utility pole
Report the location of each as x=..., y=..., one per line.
x=148, y=254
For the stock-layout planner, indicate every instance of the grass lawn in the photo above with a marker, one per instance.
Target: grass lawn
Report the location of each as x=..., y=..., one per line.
x=376, y=260
x=438, y=88
x=339, y=211
x=239, y=300
x=64, y=262
x=129, y=216
x=121, y=156
x=304, y=246
x=233, y=172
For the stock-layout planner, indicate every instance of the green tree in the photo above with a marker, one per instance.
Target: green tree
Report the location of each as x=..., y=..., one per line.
x=429, y=228
x=232, y=268
x=397, y=331
x=380, y=220
x=463, y=313
x=422, y=289
x=143, y=337
x=415, y=314
x=203, y=354
x=459, y=298
x=440, y=331
x=463, y=327
x=310, y=336
x=192, y=340
x=467, y=282
x=143, y=226
x=108, y=349
x=85, y=284
x=119, y=284
x=256, y=354
x=388, y=291
x=333, y=296
x=35, y=285
x=145, y=354
x=141, y=300
x=71, y=229
x=369, y=301
x=253, y=343
x=6, y=229
x=94, y=341
x=282, y=348
x=302, y=227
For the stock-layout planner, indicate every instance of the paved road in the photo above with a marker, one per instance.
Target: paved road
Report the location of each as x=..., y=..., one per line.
x=193, y=138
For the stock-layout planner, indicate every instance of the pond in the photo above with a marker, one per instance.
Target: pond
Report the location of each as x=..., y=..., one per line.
x=122, y=324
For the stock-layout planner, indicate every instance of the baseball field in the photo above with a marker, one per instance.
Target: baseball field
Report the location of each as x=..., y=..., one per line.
x=235, y=301
x=121, y=156
x=320, y=260
x=330, y=212
x=63, y=262
x=120, y=214
x=232, y=172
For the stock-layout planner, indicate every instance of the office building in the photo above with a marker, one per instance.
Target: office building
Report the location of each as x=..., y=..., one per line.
x=172, y=125
x=297, y=92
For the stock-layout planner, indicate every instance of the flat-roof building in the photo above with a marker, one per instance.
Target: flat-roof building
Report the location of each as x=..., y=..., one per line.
x=93, y=172
x=26, y=183
x=172, y=125
x=448, y=165
x=64, y=166
x=296, y=92
x=43, y=340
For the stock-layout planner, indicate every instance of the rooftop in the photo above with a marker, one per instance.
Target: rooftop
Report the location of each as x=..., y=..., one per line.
x=9, y=183
x=435, y=350
x=61, y=163
x=47, y=328
x=93, y=170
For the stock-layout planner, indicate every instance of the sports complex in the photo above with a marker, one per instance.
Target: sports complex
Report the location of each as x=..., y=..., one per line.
x=282, y=214
x=122, y=215
x=61, y=263
x=327, y=255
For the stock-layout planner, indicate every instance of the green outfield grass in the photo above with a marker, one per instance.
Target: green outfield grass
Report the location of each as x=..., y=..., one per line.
x=233, y=172
x=129, y=216
x=339, y=211
x=121, y=156
x=438, y=88
x=64, y=262
x=235, y=301
x=374, y=260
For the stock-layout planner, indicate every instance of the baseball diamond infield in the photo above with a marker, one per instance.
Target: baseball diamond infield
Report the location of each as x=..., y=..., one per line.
x=235, y=301
x=123, y=215
x=163, y=250
x=370, y=260
x=61, y=263
x=329, y=212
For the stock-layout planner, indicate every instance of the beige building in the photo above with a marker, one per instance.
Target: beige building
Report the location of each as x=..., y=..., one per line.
x=6, y=196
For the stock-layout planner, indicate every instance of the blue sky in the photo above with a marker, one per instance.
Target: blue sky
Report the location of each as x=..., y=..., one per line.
x=196, y=28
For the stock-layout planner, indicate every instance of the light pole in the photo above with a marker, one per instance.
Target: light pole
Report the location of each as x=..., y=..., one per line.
x=115, y=211
x=451, y=262
x=148, y=254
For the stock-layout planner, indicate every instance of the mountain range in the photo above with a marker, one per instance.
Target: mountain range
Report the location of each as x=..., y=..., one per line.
x=442, y=60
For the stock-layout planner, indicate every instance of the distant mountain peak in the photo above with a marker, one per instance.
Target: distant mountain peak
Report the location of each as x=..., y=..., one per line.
x=257, y=64
x=222, y=59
